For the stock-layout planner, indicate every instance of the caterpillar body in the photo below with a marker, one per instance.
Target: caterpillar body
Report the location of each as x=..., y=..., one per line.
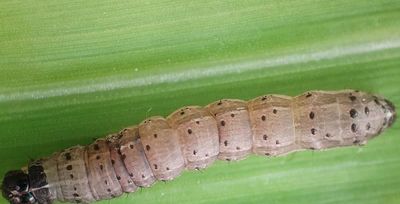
x=193, y=137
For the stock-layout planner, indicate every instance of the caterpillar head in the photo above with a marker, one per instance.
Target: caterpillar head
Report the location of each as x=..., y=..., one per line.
x=15, y=188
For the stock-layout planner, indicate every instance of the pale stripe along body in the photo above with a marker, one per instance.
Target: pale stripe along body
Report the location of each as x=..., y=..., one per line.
x=194, y=137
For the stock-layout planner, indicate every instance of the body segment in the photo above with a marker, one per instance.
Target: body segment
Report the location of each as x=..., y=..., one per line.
x=132, y=154
x=73, y=175
x=235, y=136
x=273, y=129
x=162, y=148
x=198, y=136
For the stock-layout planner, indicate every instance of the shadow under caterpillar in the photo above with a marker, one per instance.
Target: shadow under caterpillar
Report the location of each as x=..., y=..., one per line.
x=194, y=137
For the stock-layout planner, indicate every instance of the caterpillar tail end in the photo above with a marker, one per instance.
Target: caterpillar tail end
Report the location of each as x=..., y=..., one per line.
x=391, y=114
x=388, y=109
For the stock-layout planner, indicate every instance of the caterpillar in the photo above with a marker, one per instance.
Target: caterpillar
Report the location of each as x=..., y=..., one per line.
x=193, y=137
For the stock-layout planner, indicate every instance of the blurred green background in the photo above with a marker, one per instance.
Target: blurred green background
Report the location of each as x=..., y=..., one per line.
x=75, y=70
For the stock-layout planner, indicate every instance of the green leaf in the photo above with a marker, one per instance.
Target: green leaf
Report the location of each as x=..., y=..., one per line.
x=74, y=70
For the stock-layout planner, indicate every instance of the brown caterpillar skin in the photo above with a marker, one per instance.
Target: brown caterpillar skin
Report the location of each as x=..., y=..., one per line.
x=194, y=137
x=117, y=145
x=162, y=148
x=198, y=136
x=136, y=164
x=73, y=174
x=234, y=128
x=271, y=117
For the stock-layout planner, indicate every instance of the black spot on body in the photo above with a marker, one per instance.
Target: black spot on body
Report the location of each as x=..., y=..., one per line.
x=226, y=143
x=353, y=127
x=131, y=146
x=67, y=156
x=328, y=135
x=277, y=142
x=109, y=190
x=353, y=113
x=313, y=131
x=232, y=115
x=69, y=167
x=197, y=122
x=106, y=182
x=263, y=118
x=71, y=176
x=75, y=195
x=123, y=157
x=265, y=137
x=155, y=166
x=237, y=148
x=98, y=157
x=311, y=115
x=167, y=168
x=275, y=111
x=96, y=147
x=366, y=110
x=182, y=112
x=189, y=131
x=368, y=126
x=118, y=178
x=148, y=147
x=352, y=98
x=155, y=135
x=385, y=120
x=222, y=123
x=143, y=176
x=308, y=95
x=131, y=174
x=112, y=161
x=194, y=152
x=101, y=167
x=219, y=103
